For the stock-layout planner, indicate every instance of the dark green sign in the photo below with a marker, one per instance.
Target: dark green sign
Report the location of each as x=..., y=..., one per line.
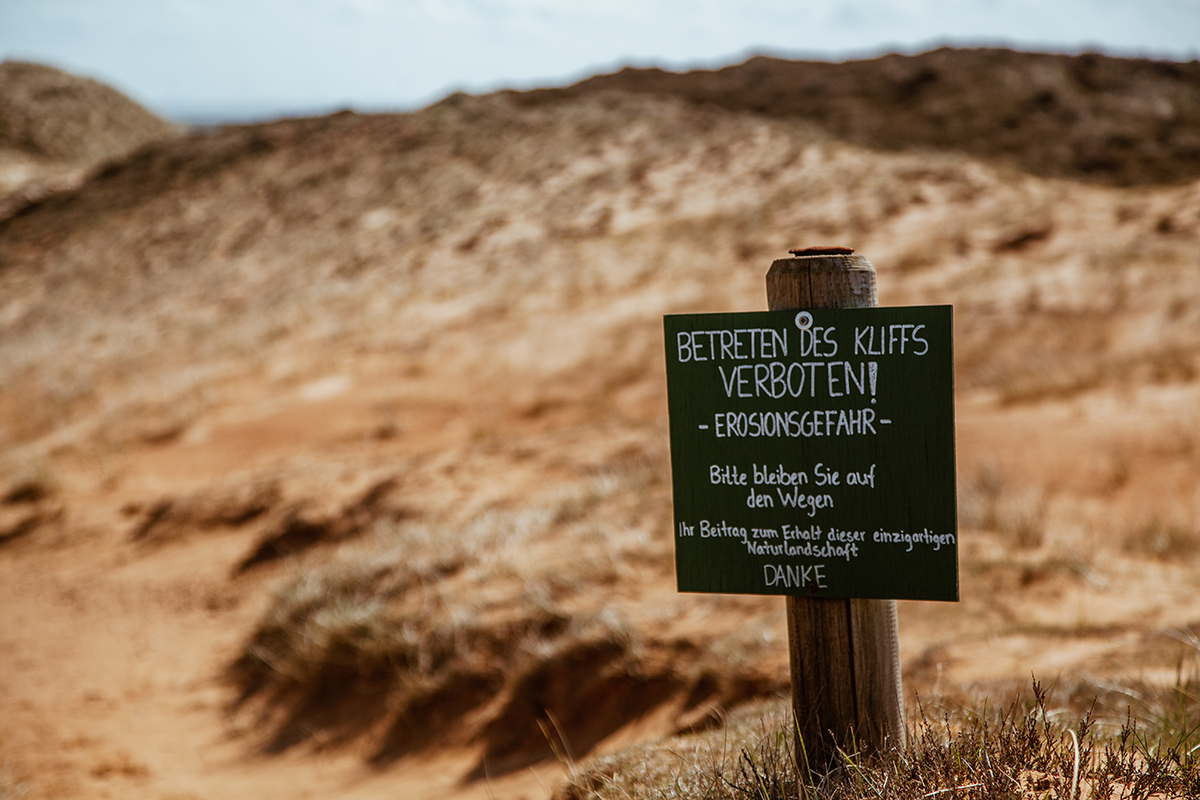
x=812, y=452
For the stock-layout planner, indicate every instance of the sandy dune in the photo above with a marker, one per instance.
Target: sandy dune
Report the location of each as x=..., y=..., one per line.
x=361, y=419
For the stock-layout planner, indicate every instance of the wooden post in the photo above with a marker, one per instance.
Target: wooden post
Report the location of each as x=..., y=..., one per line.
x=845, y=654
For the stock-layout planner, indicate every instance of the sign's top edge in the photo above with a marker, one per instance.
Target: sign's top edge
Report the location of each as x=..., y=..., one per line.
x=820, y=310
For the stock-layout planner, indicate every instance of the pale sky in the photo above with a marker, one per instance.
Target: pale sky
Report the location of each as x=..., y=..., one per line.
x=256, y=58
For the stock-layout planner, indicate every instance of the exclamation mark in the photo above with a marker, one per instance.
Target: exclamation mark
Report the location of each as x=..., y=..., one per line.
x=872, y=375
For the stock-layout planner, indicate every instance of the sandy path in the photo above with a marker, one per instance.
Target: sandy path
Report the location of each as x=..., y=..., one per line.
x=112, y=663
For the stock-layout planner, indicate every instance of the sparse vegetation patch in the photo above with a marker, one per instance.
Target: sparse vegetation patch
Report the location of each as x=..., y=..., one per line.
x=422, y=637
x=1025, y=751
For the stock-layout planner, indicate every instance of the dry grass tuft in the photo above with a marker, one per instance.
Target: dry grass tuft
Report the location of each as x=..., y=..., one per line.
x=480, y=634
x=694, y=765
x=385, y=638
x=1025, y=751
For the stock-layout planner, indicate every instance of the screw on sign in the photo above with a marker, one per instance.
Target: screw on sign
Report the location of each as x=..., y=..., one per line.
x=812, y=455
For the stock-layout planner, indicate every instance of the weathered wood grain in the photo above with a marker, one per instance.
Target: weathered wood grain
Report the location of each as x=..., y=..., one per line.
x=845, y=657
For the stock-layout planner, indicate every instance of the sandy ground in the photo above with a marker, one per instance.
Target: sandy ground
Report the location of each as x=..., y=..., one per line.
x=114, y=654
x=464, y=306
